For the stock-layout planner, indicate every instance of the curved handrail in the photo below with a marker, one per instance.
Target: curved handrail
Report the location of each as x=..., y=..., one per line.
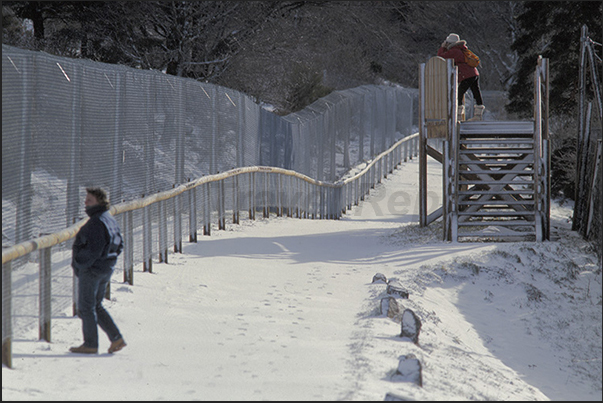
x=56, y=238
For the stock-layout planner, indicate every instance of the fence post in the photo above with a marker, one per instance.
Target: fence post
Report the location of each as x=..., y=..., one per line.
x=163, y=248
x=7, y=319
x=147, y=261
x=45, y=294
x=279, y=196
x=445, y=192
x=192, y=215
x=235, y=201
x=128, y=247
x=266, y=208
x=290, y=196
x=252, y=196
x=75, y=152
x=221, y=209
x=207, y=210
x=178, y=224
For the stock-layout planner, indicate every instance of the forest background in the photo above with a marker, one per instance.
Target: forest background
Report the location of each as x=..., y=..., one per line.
x=287, y=54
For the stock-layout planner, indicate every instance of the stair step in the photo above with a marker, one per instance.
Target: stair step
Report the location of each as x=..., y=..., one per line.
x=506, y=223
x=500, y=141
x=495, y=193
x=493, y=128
x=496, y=172
x=495, y=203
x=527, y=192
x=512, y=159
x=525, y=236
x=496, y=161
x=494, y=182
x=491, y=150
x=496, y=213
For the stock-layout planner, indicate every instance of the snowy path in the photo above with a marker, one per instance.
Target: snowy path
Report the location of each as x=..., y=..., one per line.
x=284, y=309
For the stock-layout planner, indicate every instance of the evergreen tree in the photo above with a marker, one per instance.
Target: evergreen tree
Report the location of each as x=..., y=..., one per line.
x=552, y=29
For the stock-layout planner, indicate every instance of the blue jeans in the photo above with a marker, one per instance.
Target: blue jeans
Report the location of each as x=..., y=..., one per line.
x=92, y=284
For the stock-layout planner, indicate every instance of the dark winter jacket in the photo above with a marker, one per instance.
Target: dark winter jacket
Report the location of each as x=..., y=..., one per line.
x=456, y=52
x=98, y=243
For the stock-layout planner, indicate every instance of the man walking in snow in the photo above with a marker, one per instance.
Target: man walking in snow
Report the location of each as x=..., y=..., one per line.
x=452, y=48
x=95, y=250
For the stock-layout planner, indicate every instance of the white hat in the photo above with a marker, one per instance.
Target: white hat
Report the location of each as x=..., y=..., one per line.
x=453, y=38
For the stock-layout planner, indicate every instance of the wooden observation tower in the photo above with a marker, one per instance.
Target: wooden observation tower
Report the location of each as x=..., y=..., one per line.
x=496, y=174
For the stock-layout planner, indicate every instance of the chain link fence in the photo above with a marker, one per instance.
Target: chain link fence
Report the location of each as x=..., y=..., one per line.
x=68, y=124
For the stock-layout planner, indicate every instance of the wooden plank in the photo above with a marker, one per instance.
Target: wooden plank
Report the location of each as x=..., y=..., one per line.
x=435, y=215
x=435, y=154
x=436, y=98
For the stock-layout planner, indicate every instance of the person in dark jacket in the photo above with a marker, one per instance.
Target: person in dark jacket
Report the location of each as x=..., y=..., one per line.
x=95, y=250
x=468, y=77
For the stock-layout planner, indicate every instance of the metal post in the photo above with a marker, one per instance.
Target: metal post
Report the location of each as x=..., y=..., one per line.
x=235, y=201
x=546, y=149
x=147, y=261
x=128, y=231
x=214, y=132
x=422, y=150
x=192, y=215
x=178, y=224
x=445, y=190
x=7, y=315
x=221, y=203
x=163, y=248
x=266, y=208
x=73, y=198
x=117, y=167
x=45, y=294
x=207, y=210
x=252, y=196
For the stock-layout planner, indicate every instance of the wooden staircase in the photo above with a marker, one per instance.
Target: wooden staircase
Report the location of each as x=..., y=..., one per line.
x=498, y=182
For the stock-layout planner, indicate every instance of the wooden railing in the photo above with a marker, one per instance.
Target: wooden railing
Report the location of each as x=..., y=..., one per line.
x=313, y=199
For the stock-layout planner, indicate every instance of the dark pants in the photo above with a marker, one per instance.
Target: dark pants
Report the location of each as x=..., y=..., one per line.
x=92, y=285
x=473, y=84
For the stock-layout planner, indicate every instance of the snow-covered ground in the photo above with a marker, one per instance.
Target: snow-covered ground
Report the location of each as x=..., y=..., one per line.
x=285, y=309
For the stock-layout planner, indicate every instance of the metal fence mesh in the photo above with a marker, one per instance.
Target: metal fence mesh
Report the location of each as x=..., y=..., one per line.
x=69, y=123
